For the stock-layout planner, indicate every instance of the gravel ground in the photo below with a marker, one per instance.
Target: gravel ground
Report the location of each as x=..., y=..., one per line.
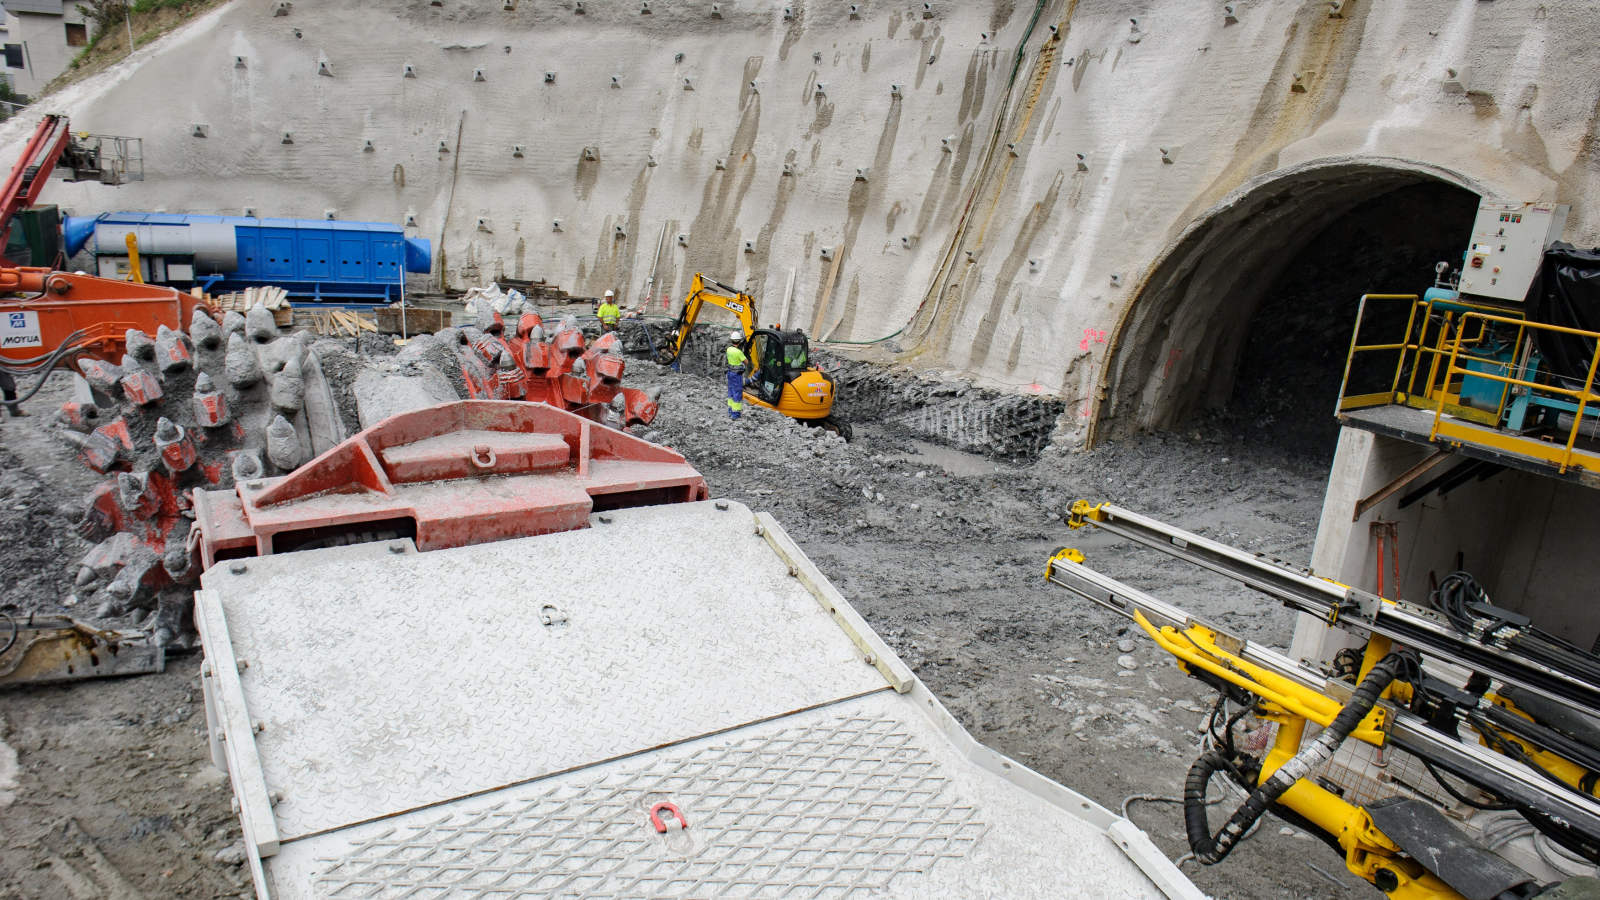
x=944, y=551
x=941, y=550
x=106, y=787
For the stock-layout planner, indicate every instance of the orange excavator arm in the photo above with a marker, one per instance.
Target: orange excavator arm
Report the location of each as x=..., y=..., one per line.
x=43, y=311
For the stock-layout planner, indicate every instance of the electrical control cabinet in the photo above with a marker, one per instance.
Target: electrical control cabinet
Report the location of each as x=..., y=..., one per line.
x=1508, y=243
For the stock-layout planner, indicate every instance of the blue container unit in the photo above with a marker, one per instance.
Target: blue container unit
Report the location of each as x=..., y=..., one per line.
x=312, y=259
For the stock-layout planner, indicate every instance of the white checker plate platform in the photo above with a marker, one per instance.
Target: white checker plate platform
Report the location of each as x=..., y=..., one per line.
x=499, y=720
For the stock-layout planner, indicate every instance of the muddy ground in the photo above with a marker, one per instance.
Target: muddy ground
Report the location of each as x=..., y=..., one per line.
x=943, y=552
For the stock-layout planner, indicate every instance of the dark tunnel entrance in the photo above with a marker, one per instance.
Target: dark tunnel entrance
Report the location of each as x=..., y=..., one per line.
x=1294, y=351
x=1244, y=326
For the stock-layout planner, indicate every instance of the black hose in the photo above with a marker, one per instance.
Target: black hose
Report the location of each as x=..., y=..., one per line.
x=1454, y=593
x=1209, y=849
x=14, y=631
x=1497, y=806
x=48, y=366
x=32, y=363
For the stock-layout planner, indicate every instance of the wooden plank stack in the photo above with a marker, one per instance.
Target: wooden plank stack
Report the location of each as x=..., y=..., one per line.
x=273, y=298
x=418, y=320
x=539, y=291
x=334, y=322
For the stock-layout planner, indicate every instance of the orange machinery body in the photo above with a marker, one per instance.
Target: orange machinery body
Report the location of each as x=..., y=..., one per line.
x=40, y=309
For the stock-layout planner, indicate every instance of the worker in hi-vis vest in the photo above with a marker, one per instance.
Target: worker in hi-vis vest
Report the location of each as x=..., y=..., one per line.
x=608, y=312
x=736, y=364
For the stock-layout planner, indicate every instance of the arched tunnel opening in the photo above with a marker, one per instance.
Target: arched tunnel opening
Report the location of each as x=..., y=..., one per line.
x=1294, y=352
x=1245, y=325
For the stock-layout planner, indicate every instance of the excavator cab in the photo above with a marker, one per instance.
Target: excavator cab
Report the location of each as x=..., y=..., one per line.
x=783, y=378
x=776, y=357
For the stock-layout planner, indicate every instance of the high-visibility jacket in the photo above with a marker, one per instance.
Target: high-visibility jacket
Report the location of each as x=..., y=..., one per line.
x=736, y=358
x=609, y=313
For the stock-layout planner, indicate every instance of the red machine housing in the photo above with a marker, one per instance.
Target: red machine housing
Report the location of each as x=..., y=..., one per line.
x=460, y=473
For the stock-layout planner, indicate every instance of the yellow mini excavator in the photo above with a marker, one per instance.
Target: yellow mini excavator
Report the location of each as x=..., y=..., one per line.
x=780, y=374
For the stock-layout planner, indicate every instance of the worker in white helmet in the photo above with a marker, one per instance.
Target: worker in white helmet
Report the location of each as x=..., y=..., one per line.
x=608, y=312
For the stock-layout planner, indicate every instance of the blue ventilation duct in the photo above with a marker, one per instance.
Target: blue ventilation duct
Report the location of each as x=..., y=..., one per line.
x=313, y=259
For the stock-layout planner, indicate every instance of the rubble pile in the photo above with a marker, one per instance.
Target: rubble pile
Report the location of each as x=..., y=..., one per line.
x=948, y=409
x=892, y=497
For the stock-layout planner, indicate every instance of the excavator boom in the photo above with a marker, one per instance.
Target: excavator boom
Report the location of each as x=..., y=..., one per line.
x=735, y=301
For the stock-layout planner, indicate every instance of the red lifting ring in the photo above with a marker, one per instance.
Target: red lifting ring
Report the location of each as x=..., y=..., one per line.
x=655, y=816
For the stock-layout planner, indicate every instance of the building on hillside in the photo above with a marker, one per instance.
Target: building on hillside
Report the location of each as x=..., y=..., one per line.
x=41, y=39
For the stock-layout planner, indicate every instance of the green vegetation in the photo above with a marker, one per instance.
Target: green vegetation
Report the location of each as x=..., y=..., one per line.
x=112, y=17
x=110, y=23
x=8, y=95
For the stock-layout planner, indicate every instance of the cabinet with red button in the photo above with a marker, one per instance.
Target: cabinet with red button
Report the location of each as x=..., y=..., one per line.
x=1508, y=242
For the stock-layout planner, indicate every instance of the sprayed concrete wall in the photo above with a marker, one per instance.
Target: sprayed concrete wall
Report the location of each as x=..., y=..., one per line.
x=1096, y=228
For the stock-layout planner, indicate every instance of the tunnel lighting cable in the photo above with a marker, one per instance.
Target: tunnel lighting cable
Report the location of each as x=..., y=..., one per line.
x=966, y=212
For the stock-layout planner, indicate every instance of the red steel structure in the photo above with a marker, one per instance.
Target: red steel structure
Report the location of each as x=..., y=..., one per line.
x=460, y=473
x=562, y=370
x=32, y=170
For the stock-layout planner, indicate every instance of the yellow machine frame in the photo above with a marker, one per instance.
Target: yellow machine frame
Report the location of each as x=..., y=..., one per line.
x=1289, y=704
x=1439, y=343
x=1368, y=852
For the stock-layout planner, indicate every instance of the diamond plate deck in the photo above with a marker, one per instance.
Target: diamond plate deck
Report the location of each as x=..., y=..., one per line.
x=499, y=720
x=864, y=798
x=386, y=682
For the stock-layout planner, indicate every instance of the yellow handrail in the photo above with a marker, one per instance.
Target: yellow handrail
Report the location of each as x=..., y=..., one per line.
x=1439, y=351
x=1562, y=329
x=1355, y=335
x=1517, y=363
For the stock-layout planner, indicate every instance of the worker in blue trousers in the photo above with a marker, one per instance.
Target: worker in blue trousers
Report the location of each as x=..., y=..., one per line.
x=736, y=364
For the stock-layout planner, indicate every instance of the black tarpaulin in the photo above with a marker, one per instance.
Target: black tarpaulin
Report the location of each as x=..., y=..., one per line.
x=1566, y=292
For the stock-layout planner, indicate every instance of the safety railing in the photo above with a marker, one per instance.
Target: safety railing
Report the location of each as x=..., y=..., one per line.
x=1410, y=348
x=1480, y=375
x=1519, y=381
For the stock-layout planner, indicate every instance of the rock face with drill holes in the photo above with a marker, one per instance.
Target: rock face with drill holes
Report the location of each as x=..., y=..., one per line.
x=1079, y=200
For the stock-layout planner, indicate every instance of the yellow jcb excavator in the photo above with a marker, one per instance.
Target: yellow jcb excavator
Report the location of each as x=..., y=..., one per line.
x=780, y=374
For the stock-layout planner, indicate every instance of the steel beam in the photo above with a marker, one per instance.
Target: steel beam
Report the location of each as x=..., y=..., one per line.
x=1496, y=655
